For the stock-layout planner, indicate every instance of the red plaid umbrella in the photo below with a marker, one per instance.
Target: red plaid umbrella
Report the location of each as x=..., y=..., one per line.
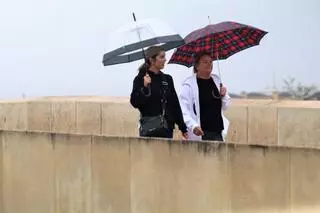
x=221, y=40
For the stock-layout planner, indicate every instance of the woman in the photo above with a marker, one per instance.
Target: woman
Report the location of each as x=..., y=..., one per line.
x=203, y=101
x=154, y=95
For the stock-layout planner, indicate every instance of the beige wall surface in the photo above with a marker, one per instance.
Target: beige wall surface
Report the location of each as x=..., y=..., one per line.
x=270, y=122
x=66, y=173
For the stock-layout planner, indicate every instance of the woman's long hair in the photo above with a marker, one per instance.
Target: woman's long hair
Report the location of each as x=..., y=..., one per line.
x=151, y=53
x=144, y=67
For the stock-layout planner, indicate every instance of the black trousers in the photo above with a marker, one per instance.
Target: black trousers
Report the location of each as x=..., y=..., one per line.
x=212, y=136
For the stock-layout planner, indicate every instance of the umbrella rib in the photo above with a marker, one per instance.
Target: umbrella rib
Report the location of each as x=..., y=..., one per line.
x=142, y=44
x=123, y=58
x=223, y=39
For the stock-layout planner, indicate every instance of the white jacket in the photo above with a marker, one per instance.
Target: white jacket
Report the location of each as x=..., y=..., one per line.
x=189, y=95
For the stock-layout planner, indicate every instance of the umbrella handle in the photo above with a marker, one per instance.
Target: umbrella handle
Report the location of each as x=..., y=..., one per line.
x=221, y=85
x=149, y=91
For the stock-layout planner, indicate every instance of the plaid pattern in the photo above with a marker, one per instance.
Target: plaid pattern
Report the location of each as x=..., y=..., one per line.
x=221, y=40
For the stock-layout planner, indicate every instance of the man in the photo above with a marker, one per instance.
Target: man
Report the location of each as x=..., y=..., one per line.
x=203, y=100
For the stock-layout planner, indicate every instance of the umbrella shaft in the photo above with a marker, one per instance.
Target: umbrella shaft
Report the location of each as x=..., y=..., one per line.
x=139, y=36
x=219, y=70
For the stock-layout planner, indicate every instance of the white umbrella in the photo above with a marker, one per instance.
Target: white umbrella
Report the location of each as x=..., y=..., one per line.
x=127, y=43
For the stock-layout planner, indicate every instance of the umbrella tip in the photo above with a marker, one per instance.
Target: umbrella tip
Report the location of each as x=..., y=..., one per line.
x=134, y=16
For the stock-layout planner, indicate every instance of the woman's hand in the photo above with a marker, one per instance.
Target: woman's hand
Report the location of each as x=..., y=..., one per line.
x=146, y=80
x=185, y=136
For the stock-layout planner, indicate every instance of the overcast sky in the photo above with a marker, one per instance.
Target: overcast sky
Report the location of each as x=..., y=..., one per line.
x=55, y=47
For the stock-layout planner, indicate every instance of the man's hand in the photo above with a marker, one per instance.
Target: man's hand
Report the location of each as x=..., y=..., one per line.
x=223, y=91
x=198, y=131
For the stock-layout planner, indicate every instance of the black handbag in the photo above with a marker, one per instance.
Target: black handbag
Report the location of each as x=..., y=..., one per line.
x=156, y=126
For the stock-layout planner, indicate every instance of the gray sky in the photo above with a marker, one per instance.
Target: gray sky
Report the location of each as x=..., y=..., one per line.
x=55, y=47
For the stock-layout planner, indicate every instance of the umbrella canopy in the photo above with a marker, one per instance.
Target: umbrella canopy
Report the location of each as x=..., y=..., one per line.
x=222, y=40
x=127, y=43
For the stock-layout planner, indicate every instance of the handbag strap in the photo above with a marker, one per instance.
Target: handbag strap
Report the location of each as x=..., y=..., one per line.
x=163, y=90
x=164, y=86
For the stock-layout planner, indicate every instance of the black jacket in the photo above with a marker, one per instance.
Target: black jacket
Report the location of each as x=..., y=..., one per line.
x=151, y=105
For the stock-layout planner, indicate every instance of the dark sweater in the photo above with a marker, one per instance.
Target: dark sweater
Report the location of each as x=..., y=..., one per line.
x=210, y=107
x=151, y=106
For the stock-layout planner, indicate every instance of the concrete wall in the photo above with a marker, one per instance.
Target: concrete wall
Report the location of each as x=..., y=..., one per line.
x=292, y=123
x=283, y=123
x=64, y=173
x=107, y=116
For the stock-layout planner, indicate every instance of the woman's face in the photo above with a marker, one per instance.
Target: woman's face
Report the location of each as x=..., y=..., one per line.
x=159, y=61
x=205, y=65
